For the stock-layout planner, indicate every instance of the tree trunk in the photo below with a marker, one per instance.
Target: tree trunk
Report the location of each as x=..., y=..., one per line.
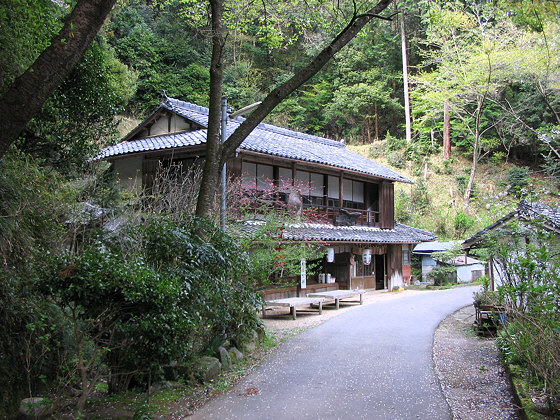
x=213, y=162
x=215, y=159
x=446, y=132
x=476, y=152
x=376, y=122
x=29, y=91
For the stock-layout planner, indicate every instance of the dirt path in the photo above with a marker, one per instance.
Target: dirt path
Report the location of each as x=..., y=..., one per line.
x=471, y=374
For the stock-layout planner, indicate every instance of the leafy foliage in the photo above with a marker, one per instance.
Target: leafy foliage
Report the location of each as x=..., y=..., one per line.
x=527, y=260
x=462, y=223
x=27, y=27
x=443, y=274
x=517, y=179
x=167, y=301
x=33, y=205
x=80, y=116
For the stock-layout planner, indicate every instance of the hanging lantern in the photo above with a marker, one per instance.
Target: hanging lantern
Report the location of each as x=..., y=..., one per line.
x=366, y=256
x=330, y=255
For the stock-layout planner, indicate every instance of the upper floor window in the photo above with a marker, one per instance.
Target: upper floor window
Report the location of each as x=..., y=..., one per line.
x=310, y=185
x=353, y=192
x=333, y=191
x=257, y=176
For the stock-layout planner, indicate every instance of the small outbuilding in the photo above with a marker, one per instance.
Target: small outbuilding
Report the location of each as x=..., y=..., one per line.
x=526, y=221
x=468, y=269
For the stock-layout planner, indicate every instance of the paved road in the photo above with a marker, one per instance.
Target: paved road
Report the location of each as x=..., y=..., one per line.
x=374, y=362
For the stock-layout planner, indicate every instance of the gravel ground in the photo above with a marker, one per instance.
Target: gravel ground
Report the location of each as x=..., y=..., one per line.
x=471, y=375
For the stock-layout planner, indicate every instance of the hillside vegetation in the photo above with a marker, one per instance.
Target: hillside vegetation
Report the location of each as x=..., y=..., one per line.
x=435, y=201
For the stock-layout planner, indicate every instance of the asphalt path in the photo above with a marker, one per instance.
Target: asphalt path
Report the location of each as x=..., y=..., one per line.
x=373, y=362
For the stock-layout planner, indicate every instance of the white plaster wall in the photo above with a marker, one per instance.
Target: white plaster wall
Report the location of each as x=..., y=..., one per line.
x=179, y=124
x=396, y=280
x=464, y=272
x=499, y=276
x=160, y=127
x=428, y=264
x=129, y=173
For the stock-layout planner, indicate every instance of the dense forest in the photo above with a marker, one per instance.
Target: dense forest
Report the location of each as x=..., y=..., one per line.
x=482, y=132
x=501, y=107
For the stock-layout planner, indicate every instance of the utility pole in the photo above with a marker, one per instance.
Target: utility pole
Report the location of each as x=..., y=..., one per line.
x=224, y=168
x=405, y=81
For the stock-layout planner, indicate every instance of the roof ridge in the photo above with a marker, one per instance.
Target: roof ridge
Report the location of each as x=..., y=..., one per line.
x=171, y=102
x=299, y=134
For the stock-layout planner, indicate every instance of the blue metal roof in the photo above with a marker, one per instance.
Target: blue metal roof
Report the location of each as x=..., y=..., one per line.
x=265, y=138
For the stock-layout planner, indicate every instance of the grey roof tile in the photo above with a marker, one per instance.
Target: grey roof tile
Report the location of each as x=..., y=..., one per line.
x=548, y=216
x=191, y=138
x=265, y=138
x=401, y=234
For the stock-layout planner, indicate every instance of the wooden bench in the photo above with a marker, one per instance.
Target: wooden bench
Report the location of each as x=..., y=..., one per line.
x=338, y=295
x=295, y=302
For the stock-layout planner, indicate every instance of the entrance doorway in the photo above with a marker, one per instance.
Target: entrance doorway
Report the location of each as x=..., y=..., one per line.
x=379, y=272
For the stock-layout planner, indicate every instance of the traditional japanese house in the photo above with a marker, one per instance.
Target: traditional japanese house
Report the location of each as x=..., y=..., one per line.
x=364, y=246
x=517, y=229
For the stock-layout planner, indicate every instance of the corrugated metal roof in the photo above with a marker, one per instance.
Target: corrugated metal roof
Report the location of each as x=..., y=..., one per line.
x=265, y=138
x=434, y=246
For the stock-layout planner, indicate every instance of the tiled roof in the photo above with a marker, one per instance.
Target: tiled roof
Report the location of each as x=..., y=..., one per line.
x=538, y=211
x=265, y=138
x=191, y=138
x=548, y=216
x=401, y=234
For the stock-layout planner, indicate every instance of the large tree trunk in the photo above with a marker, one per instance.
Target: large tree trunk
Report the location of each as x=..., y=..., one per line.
x=213, y=163
x=30, y=90
x=446, y=132
x=211, y=171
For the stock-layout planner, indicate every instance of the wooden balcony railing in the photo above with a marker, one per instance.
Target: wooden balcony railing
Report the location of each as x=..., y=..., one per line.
x=361, y=217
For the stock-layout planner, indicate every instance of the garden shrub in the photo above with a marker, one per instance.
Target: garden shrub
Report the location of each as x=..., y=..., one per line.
x=443, y=274
x=376, y=150
x=462, y=223
x=461, y=181
x=530, y=290
x=33, y=201
x=447, y=166
x=394, y=144
x=420, y=197
x=403, y=207
x=166, y=301
x=397, y=159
